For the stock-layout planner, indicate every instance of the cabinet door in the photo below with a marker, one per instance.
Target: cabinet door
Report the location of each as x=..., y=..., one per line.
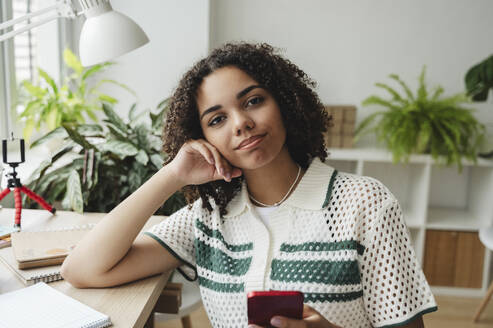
x=453, y=259
x=469, y=258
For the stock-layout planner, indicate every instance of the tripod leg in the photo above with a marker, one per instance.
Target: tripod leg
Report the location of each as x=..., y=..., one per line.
x=38, y=199
x=4, y=193
x=18, y=207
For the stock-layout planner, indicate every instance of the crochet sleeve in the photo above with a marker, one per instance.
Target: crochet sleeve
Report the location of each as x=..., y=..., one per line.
x=176, y=234
x=395, y=290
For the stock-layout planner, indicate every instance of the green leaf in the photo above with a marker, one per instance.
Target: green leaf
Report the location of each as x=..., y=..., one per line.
x=142, y=133
x=363, y=126
x=77, y=137
x=107, y=98
x=57, y=190
x=72, y=61
x=157, y=160
x=38, y=171
x=403, y=85
x=89, y=168
x=95, y=175
x=28, y=129
x=120, y=148
x=95, y=69
x=479, y=80
x=131, y=112
x=57, y=133
x=164, y=103
x=91, y=114
x=117, y=134
x=51, y=117
x=61, y=152
x=424, y=136
x=48, y=80
x=121, y=85
x=142, y=157
x=45, y=112
x=155, y=143
x=89, y=130
x=45, y=165
x=158, y=119
x=395, y=95
x=376, y=100
x=134, y=122
x=35, y=91
x=114, y=118
x=422, y=93
x=43, y=184
x=437, y=93
x=74, y=192
x=31, y=109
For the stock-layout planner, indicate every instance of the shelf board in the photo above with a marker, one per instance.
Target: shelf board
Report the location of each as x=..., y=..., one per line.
x=383, y=155
x=452, y=219
x=457, y=291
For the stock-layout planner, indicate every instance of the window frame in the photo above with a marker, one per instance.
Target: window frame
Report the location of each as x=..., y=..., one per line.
x=7, y=79
x=66, y=32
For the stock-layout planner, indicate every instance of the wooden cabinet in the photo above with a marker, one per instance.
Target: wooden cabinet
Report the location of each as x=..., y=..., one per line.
x=453, y=259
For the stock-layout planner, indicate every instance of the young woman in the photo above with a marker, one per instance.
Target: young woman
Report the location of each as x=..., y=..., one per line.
x=244, y=135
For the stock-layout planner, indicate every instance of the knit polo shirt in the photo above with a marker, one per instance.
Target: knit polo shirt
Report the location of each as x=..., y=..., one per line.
x=339, y=238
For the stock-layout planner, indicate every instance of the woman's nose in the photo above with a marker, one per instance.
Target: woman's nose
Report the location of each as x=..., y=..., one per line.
x=242, y=122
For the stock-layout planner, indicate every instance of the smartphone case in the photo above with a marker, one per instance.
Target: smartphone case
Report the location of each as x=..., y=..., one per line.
x=263, y=305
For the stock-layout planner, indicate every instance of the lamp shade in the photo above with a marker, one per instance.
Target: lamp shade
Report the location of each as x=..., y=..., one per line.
x=107, y=34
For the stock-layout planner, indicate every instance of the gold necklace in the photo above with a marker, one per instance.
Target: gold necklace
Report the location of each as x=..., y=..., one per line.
x=285, y=196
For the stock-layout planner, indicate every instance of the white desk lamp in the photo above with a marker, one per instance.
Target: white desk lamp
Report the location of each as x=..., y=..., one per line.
x=106, y=34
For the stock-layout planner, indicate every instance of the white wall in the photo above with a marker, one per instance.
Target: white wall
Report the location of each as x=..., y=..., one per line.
x=347, y=46
x=47, y=45
x=178, y=33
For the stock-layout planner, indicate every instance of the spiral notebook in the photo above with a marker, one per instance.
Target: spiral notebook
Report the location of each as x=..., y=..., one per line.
x=42, y=306
x=29, y=276
x=46, y=273
x=48, y=247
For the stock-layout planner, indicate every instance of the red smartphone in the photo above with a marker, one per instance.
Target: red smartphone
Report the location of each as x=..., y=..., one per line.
x=263, y=305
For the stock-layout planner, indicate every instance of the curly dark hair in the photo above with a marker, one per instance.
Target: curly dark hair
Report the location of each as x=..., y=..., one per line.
x=303, y=114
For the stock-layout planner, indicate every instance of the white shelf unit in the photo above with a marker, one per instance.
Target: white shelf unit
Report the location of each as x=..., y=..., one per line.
x=432, y=197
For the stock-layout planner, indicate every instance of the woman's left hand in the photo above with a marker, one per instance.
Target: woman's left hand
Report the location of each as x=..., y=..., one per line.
x=311, y=319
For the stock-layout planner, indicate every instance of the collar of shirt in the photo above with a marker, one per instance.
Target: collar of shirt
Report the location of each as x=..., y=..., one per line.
x=312, y=193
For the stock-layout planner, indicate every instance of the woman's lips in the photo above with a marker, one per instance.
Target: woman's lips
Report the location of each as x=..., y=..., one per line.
x=252, y=142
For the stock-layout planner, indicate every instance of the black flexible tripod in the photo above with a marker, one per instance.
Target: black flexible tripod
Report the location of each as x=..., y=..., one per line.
x=14, y=183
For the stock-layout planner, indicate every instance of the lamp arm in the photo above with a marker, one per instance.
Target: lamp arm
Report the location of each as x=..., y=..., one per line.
x=9, y=35
x=61, y=9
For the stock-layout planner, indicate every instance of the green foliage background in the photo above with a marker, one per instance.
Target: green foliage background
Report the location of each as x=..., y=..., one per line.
x=50, y=105
x=425, y=122
x=103, y=164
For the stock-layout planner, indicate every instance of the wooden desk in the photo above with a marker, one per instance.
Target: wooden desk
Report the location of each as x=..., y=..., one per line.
x=128, y=305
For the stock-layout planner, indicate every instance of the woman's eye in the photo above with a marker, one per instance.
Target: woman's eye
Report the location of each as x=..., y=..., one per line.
x=255, y=101
x=216, y=120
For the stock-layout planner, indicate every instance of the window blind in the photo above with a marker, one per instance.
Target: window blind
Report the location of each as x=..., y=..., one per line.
x=25, y=47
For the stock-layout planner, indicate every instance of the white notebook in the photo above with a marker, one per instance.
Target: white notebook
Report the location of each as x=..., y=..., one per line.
x=42, y=306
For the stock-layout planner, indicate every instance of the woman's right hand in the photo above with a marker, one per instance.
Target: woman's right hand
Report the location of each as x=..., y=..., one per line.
x=199, y=162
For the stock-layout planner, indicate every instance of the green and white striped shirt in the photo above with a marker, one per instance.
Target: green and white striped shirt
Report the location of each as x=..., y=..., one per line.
x=339, y=238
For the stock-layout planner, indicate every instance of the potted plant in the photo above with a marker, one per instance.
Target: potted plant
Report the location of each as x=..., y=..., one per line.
x=49, y=105
x=479, y=82
x=98, y=166
x=424, y=122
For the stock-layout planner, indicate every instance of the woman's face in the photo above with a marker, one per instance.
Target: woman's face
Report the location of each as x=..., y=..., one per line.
x=240, y=118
